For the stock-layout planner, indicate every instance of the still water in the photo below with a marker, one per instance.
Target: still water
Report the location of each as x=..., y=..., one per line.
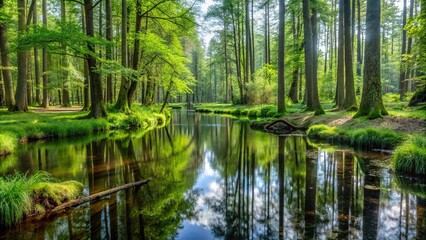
x=212, y=177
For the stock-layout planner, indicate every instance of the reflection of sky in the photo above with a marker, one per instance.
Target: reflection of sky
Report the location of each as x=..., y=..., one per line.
x=208, y=183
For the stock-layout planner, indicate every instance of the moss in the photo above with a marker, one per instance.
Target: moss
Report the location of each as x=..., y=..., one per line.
x=8, y=142
x=46, y=195
x=410, y=157
x=21, y=195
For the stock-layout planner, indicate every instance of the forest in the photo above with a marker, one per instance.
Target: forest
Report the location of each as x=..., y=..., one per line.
x=132, y=84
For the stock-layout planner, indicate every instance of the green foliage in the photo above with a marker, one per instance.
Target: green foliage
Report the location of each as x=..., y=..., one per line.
x=263, y=89
x=22, y=195
x=410, y=157
x=7, y=143
x=368, y=137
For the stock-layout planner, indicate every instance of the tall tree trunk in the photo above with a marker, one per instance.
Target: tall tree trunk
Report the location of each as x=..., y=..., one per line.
x=350, y=99
x=340, y=87
x=86, y=94
x=409, y=48
x=97, y=109
x=295, y=76
x=36, y=63
x=311, y=85
x=281, y=38
x=358, y=41
x=108, y=23
x=64, y=59
x=122, y=100
x=225, y=47
x=21, y=87
x=5, y=63
x=403, y=67
x=45, y=102
x=136, y=54
x=371, y=101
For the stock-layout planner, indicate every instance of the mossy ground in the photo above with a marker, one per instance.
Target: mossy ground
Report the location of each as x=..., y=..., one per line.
x=39, y=123
x=22, y=195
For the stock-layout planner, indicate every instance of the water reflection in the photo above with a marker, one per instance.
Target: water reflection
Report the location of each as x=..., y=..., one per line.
x=213, y=177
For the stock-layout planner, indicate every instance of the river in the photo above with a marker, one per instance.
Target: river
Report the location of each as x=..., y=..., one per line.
x=212, y=177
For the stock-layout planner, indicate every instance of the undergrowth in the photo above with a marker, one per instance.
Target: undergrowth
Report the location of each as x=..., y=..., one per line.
x=410, y=157
x=22, y=195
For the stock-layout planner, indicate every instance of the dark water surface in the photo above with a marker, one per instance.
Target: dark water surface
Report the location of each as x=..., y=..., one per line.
x=215, y=178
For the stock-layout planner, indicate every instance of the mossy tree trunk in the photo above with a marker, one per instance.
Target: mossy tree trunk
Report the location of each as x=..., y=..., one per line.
x=36, y=62
x=21, y=86
x=45, y=102
x=5, y=63
x=97, y=109
x=108, y=36
x=371, y=101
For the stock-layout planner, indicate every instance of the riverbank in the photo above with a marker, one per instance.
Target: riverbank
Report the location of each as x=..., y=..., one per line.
x=37, y=124
x=398, y=131
x=23, y=195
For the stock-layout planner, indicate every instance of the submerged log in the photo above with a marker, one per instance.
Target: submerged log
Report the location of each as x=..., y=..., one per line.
x=95, y=197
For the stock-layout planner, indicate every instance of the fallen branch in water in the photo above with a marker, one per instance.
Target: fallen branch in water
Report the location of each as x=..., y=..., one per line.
x=96, y=196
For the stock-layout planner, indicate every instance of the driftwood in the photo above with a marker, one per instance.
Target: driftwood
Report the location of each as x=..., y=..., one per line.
x=96, y=196
x=282, y=125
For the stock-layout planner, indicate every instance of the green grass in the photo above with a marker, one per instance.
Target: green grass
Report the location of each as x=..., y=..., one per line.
x=410, y=157
x=15, y=127
x=366, y=138
x=22, y=195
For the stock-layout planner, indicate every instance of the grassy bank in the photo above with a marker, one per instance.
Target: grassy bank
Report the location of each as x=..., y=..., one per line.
x=396, y=131
x=22, y=196
x=22, y=127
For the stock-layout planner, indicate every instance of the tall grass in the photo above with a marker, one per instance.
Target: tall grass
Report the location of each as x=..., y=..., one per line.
x=367, y=138
x=410, y=157
x=22, y=195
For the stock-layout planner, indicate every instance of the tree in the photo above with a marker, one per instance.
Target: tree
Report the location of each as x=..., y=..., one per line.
x=313, y=103
x=340, y=86
x=371, y=101
x=281, y=37
x=403, y=67
x=108, y=35
x=21, y=87
x=350, y=99
x=45, y=102
x=65, y=65
x=97, y=108
x=5, y=62
x=36, y=61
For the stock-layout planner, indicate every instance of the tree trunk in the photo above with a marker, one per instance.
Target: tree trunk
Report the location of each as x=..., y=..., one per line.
x=350, y=99
x=86, y=95
x=64, y=59
x=5, y=63
x=21, y=87
x=340, y=87
x=281, y=38
x=371, y=101
x=311, y=85
x=122, y=103
x=45, y=102
x=358, y=43
x=108, y=23
x=97, y=109
x=403, y=67
x=36, y=63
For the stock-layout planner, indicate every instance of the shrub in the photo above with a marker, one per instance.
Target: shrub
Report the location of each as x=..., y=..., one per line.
x=410, y=157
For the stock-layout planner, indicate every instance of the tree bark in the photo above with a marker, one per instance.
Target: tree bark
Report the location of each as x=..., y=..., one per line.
x=371, y=101
x=340, y=87
x=21, y=87
x=5, y=62
x=281, y=39
x=45, y=102
x=108, y=35
x=311, y=85
x=64, y=58
x=97, y=109
x=403, y=67
x=86, y=94
x=36, y=63
x=122, y=103
x=350, y=99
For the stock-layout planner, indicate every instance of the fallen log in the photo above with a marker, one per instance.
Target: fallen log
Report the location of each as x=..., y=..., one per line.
x=96, y=196
x=290, y=127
